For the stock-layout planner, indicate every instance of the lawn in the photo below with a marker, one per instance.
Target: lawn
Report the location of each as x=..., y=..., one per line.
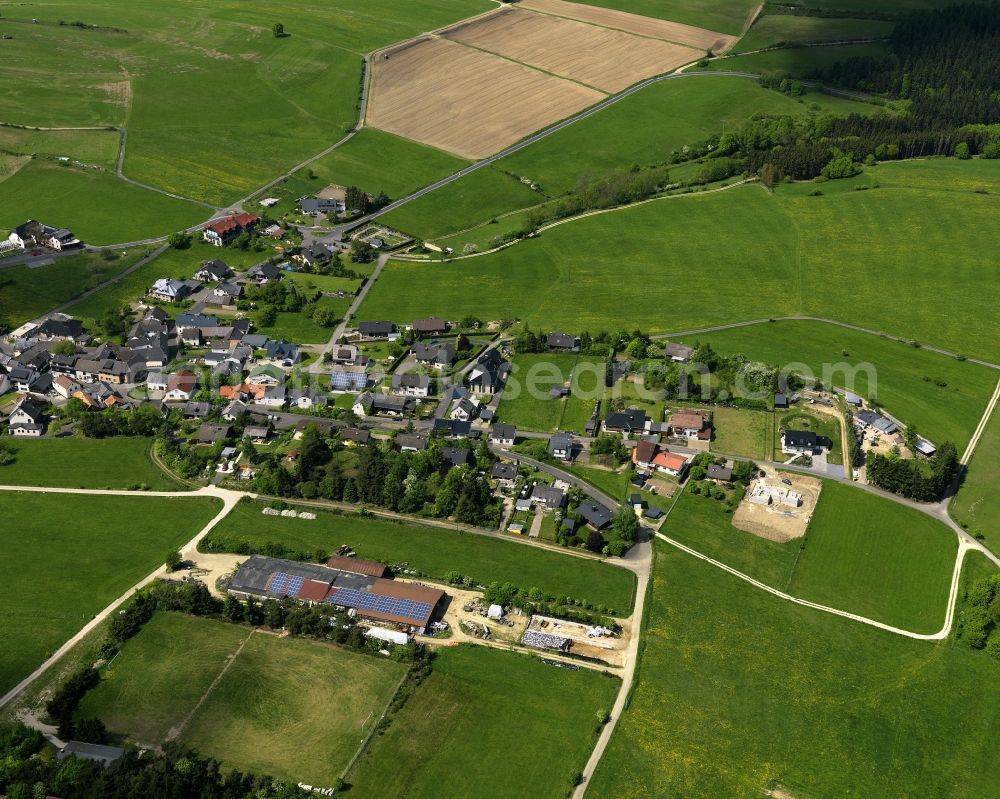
x=805, y=419
x=901, y=377
x=78, y=462
x=739, y=693
x=299, y=326
x=829, y=256
x=776, y=29
x=291, y=708
x=742, y=432
x=977, y=504
x=526, y=403
x=646, y=127
x=74, y=555
x=536, y=722
x=97, y=206
x=433, y=551
x=286, y=98
x=26, y=293
x=612, y=483
x=871, y=556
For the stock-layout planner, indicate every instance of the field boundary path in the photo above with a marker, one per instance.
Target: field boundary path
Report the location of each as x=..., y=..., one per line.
x=805, y=318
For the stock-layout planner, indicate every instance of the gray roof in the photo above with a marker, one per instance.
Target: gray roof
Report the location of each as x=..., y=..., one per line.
x=84, y=751
x=595, y=514
x=548, y=495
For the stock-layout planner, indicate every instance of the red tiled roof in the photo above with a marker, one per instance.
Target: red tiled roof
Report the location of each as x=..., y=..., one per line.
x=314, y=590
x=669, y=460
x=686, y=420
x=371, y=568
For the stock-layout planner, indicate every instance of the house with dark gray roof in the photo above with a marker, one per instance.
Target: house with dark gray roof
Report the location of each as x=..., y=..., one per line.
x=561, y=446
x=562, y=341
x=595, y=514
x=378, y=329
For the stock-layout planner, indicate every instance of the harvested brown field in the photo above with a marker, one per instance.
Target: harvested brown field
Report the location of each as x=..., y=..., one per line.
x=610, y=60
x=633, y=23
x=465, y=101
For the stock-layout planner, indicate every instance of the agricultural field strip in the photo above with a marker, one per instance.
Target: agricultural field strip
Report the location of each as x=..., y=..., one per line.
x=963, y=546
x=604, y=58
x=679, y=33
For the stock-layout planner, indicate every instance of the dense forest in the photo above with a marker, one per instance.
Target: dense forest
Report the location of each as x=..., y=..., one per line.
x=945, y=62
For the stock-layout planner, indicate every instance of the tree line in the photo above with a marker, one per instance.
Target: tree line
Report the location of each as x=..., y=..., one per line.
x=924, y=480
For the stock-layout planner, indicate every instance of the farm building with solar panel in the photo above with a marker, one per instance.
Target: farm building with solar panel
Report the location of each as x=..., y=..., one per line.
x=373, y=598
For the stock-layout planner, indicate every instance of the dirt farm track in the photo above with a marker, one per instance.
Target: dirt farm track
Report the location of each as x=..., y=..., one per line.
x=479, y=86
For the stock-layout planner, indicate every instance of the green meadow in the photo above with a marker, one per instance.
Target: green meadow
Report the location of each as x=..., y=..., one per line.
x=26, y=293
x=977, y=504
x=78, y=462
x=526, y=404
x=740, y=693
x=94, y=147
x=74, y=555
x=904, y=379
x=97, y=206
x=537, y=719
x=292, y=708
x=433, y=551
x=214, y=103
x=776, y=254
x=861, y=553
x=776, y=29
x=796, y=62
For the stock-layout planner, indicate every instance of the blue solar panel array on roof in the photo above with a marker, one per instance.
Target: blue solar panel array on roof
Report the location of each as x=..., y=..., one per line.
x=281, y=583
x=406, y=608
x=348, y=380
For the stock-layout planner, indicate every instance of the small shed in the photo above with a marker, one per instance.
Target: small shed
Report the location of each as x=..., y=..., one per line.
x=780, y=401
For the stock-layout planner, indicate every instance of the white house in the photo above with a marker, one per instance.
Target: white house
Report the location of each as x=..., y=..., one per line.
x=465, y=409
x=156, y=381
x=65, y=386
x=274, y=397
x=411, y=385
x=27, y=419
x=503, y=435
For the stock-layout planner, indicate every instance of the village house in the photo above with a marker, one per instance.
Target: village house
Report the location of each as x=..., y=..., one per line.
x=382, y=329
x=209, y=434
x=27, y=420
x=803, y=442
x=220, y=232
x=503, y=435
x=631, y=420
x=262, y=274
x=313, y=255
x=411, y=442
x=452, y=428
x=563, y=342
x=346, y=378
x=181, y=387
x=432, y=326
x=548, y=496
x=595, y=514
x=455, y=456
x=411, y=385
x=440, y=356
x=464, y=409
x=266, y=374
x=561, y=446
x=354, y=436
x=489, y=373
x=689, y=424
x=170, y=290
x=213, y=271
x=679, y=353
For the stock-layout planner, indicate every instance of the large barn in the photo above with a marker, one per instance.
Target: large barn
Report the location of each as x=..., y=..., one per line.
x=372, y=597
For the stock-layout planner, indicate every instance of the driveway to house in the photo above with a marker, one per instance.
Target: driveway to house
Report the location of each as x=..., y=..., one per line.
x=554, y=471
x=338, y=332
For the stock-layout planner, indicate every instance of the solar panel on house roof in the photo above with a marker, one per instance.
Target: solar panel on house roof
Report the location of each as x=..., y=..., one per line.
x=363, y=600
x=281, y=583
x=348, y=380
